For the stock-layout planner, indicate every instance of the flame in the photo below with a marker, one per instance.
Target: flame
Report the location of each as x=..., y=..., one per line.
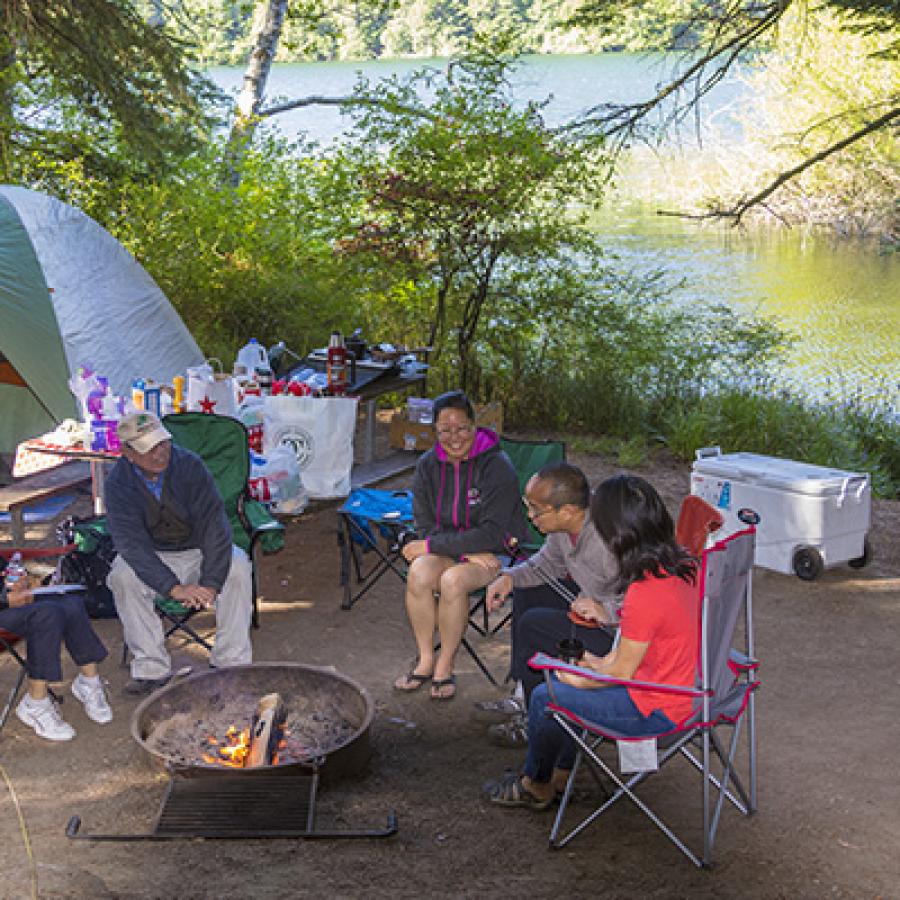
x=232, y=751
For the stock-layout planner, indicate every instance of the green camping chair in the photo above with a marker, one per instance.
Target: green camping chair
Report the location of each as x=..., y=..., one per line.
x=221, y=442
x=527, y=457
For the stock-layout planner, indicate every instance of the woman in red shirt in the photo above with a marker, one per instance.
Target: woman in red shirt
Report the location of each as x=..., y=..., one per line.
x=658, y=643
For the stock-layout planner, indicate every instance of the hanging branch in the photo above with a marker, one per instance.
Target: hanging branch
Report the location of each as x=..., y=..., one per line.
x=737, y=212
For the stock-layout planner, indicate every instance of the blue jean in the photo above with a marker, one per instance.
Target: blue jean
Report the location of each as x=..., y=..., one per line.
x=550, y=747
x=48, y=623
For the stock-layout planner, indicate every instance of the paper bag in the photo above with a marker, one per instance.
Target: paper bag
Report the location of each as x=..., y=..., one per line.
x=319, y=431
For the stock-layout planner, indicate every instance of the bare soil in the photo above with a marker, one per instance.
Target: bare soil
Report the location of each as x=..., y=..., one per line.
x=829, y=803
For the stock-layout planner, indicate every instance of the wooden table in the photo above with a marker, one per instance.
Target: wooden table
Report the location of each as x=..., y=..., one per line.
x=98, y=460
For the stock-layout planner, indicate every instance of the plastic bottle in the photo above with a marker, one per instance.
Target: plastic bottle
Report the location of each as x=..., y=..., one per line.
x=264, y=380
x=336, y=365
x=15, y=571
x=137, y=393
x=251, y=356
x=178, y=384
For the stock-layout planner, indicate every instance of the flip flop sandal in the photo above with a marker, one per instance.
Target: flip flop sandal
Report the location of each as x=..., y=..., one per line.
x=439, y=685
x=413, y=682
x=509, y=791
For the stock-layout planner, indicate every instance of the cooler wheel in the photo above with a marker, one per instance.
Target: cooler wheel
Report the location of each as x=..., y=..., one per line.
x=808, y=563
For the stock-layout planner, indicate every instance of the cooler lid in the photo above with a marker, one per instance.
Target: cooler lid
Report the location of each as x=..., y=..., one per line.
x=784, y=474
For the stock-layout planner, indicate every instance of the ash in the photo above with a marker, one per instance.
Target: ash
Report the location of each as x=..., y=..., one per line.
x=314, y=727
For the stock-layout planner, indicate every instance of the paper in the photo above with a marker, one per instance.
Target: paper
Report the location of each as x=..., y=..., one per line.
x=50, y=589
x=638, y=756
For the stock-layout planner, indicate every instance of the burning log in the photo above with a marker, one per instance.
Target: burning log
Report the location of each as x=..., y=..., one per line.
x=266, y=732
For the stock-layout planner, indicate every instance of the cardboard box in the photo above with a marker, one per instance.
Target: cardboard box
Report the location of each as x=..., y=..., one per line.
x=406, y=435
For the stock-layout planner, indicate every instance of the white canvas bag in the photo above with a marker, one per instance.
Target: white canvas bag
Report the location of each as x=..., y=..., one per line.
x=319, y=431
x=210, y=392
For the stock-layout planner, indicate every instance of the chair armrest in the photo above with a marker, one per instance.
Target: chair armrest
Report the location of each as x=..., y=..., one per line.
x=263, y=526
x=547, y=664
x=740, y=663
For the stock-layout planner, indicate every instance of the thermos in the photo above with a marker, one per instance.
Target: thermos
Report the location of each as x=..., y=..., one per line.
x=336, y=365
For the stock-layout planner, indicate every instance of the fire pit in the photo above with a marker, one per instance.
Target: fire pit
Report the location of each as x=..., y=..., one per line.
x=318, y=718
x=327, y=719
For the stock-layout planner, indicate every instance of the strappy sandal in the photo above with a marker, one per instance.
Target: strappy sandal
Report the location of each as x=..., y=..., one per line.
x=440, y=686
x=509, y=791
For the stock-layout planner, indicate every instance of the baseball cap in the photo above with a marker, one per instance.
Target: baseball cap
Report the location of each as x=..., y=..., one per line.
x=142, y=431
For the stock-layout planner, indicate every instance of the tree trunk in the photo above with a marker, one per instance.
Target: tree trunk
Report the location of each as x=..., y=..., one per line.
x=267, y=23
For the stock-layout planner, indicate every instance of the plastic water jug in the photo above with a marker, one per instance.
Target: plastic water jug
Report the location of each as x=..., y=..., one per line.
x=252, y=356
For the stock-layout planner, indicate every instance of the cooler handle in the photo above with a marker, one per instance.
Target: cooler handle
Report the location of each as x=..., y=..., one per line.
x=708, y=452
x=845, y=486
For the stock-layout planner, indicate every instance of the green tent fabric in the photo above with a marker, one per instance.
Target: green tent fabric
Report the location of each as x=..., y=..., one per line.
x=72, y=295
x=29, y=339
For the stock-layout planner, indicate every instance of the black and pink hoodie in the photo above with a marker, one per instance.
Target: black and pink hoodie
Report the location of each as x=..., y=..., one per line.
x=471, y=508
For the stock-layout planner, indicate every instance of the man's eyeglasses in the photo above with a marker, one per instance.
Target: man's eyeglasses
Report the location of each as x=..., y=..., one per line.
x=454, y=432
x=535, y=512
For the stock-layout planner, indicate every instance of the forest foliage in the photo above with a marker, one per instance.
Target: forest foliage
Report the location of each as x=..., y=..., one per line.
x=448, y=216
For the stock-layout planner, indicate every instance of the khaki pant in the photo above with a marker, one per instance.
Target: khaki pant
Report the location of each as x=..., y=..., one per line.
x=143, y=627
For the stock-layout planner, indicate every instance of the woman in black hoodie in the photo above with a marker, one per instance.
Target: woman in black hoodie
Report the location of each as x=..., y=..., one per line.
x=466, y=506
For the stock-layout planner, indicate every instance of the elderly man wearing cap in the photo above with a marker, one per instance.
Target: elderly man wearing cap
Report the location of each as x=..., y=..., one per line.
x=173, y=539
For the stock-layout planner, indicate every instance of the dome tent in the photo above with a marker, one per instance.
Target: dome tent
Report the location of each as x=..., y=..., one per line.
x=71, y=294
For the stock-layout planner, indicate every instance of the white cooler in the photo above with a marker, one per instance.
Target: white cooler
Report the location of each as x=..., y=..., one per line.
x=810, y=516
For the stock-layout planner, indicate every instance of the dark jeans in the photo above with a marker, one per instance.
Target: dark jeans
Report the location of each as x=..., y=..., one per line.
x=540, y=620
x=550, y=747
x=45, y=625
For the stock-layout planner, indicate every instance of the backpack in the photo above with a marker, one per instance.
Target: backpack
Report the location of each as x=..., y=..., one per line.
x=89, y=563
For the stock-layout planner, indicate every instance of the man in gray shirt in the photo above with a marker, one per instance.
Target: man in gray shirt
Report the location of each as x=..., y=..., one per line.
x=557, y=500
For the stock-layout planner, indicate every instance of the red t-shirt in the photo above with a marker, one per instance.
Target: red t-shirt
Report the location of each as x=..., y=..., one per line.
x=663, y=612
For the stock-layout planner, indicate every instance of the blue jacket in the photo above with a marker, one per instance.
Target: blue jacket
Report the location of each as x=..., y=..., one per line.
x=189, y=489
x=473, y=508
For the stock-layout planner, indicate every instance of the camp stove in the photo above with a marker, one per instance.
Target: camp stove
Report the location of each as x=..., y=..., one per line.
x=245, y=749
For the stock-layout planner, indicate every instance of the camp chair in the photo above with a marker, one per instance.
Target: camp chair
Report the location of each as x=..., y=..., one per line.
x=371, y=521
x=723, y=697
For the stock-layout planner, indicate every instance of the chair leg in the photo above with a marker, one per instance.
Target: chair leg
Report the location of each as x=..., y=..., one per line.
x=11, y=697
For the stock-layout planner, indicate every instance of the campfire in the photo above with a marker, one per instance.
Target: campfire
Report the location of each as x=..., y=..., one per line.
x=258, y=745
x=255, y=718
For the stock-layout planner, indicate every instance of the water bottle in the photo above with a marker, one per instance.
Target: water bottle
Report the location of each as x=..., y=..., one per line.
x=15, y=571
x=252, y=356
x=336, y=365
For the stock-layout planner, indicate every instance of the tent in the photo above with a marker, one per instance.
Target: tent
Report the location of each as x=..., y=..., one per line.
x=71, y=295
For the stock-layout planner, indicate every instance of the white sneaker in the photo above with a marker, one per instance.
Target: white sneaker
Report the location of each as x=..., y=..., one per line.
x=43, y=716
x=93, y=696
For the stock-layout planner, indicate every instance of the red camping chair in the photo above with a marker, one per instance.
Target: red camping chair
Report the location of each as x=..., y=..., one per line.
x=723, y=699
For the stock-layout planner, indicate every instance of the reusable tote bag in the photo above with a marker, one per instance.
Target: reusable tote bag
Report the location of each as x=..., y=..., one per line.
x=319, y=431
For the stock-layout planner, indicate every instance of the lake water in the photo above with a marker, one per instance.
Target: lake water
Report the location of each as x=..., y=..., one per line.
x=840, y=299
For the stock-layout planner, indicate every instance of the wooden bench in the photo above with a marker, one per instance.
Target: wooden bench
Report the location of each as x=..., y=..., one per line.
x=25, y=492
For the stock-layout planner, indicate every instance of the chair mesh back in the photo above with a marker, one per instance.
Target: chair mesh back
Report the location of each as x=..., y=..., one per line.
x=529, y=457
x=726, y=580
x=222, y=443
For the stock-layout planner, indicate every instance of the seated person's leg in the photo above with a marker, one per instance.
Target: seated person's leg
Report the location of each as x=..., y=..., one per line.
x=82, y=642
x=524, y=600
x=41, y=625
x=234, y=608
x=539, y=632
x=141, y=625
x=422, y=581
x=456, y=584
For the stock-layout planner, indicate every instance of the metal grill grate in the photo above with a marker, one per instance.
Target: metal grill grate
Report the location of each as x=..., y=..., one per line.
x=230, y=805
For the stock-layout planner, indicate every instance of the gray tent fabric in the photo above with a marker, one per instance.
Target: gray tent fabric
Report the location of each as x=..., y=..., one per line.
x=72, y=295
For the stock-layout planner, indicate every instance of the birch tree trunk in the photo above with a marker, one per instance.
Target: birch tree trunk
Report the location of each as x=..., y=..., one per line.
x=268, y=19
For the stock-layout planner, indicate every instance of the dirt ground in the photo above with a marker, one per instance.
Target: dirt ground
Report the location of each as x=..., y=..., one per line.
x=829, y=803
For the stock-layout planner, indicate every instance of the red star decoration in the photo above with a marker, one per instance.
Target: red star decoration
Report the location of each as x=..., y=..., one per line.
x=206, y=405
